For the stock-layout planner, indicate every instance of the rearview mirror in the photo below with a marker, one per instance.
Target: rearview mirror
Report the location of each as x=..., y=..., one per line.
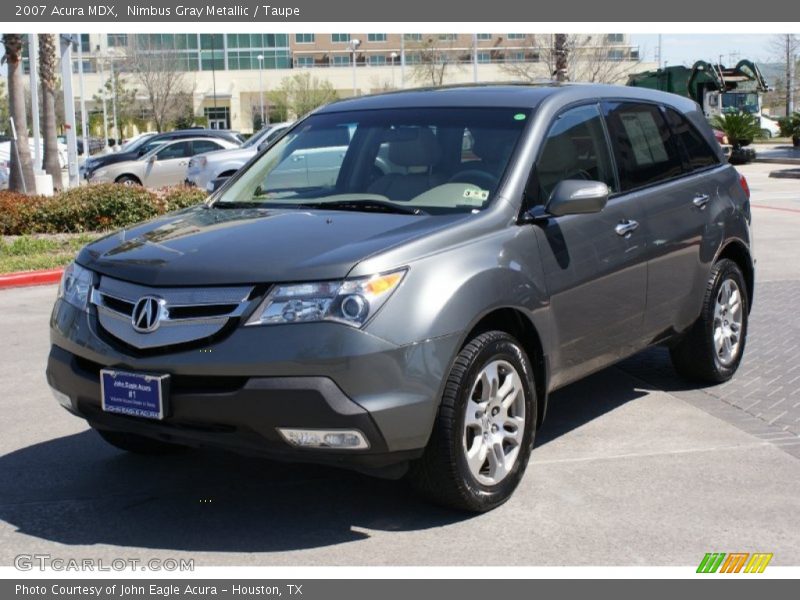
x=577, y=196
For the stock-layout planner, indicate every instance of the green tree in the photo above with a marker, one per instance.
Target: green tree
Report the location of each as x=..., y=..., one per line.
x=301, y=93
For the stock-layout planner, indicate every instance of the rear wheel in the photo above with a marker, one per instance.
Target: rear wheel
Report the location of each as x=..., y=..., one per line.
x=137, y=444
x=128, y=180
x=712, y=349
x=484, y=430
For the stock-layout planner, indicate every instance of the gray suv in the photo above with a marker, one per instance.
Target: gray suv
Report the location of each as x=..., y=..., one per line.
x=408, y=315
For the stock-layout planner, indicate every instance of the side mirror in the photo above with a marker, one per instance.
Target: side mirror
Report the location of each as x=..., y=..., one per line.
x=577, y=196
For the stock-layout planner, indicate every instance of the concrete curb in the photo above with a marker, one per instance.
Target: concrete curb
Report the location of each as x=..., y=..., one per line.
x=27, y=278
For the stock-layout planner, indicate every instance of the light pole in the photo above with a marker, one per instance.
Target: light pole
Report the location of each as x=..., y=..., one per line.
x=260, y=58
x=69, y=109
x=84, y=123
x=354, y=44
x=393, y=56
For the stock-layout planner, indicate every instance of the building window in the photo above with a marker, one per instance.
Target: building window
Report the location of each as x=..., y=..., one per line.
x=516, y=36
x=304, y=62
x=85, y=45
x=377, y=60
x=88, y=66
x=240, y=60
x=341, y=61
x=448, y=37
x=635, y=54
x=304, y=38
x=117, y=40
x=484, y=57
x=376, y=37
x=340, y=38
x=413, y=58
x=515, y=57
x=483, y=37
x=616, y=38
x=412, y=37
x=616, y=54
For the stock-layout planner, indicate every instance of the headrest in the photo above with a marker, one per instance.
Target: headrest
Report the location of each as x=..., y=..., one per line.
x=417, y=147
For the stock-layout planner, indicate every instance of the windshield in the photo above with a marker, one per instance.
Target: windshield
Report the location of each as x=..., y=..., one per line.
x=431, y=160
x=132, y=145
x=257, y=137
x=744, y=102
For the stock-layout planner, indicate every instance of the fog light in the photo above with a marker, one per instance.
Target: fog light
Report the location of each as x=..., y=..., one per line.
x=342, y=439
x=62, y=398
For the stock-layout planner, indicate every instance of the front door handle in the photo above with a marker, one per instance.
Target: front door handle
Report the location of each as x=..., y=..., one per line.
x=626, y=227
x=700, y=200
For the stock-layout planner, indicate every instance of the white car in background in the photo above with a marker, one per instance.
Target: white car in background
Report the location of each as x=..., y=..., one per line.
x=769, y=127
x=205, y=168
x=163, y=166
x=5, y=159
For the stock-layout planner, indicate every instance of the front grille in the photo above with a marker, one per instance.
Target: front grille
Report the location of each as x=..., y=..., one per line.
x=184, y=315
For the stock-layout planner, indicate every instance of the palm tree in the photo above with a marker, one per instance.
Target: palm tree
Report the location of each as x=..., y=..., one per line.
x=47, y=78
x=21, y=167
x=740, y=127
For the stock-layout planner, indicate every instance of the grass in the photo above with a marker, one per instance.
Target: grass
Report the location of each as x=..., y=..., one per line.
x=33, y=252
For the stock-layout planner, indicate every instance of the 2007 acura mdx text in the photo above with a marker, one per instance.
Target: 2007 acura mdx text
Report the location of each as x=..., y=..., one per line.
x=408, y=313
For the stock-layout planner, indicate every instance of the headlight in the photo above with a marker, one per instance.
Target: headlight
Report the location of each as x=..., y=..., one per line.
x=352, y=301
x=75, y=285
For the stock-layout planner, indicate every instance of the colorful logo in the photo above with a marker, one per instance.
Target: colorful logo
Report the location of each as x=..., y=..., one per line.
x=734, y=562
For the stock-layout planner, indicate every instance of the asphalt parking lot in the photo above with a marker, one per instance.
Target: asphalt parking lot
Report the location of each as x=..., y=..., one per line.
x=632, y=466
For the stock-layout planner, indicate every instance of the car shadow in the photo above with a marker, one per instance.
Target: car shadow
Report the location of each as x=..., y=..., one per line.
x=77, y=490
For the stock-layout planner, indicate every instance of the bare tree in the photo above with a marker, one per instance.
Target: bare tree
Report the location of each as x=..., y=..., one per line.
x=21, y=166
x=786, y=46
x=434, y=58
x=163, y=81
x=301, y=93
x=47, y=79
x=592, y=58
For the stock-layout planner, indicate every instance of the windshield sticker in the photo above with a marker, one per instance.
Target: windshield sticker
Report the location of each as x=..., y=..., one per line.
x=475, y=196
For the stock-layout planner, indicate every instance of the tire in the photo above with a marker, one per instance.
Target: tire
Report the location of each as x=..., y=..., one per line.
x=128, y=180
x=698, y=356
x=443, y=474
x=137, y=444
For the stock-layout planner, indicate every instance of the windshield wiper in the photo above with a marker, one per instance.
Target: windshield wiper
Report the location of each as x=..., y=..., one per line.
x=364, y=205
x=237, y=205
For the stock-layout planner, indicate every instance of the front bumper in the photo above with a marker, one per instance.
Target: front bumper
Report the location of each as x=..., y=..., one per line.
x=236, y=392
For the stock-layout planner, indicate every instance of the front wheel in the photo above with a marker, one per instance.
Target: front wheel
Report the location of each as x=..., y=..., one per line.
x=483, y=434
x=712, y=349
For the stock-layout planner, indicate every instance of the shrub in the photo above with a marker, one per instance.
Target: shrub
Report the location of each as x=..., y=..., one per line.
x=741, y=127
x=89, y=208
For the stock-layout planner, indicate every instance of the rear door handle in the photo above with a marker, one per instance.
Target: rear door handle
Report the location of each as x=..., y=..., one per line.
x=626, y=227
x=700, y=200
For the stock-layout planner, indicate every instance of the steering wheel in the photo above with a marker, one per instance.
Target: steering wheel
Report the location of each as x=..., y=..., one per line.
x=482, y=179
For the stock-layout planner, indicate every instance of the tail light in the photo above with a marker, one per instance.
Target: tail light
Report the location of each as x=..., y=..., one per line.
x=745, y=185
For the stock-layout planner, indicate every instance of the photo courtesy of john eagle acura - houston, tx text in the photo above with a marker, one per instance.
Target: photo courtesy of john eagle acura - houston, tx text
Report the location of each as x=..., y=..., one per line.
x=398, y=282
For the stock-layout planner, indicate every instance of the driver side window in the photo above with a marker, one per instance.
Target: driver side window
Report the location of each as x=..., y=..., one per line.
x=575, y=148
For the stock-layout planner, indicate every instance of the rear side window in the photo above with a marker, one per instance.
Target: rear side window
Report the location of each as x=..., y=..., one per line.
x=575, y=148
x=697, y=151
x=644, y=148
x=201, y=146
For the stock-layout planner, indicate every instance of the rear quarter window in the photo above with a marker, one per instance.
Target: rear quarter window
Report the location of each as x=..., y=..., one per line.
x=645, y=151
x=698, y=153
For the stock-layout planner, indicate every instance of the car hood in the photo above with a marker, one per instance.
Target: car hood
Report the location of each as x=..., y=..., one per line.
x=208, y=246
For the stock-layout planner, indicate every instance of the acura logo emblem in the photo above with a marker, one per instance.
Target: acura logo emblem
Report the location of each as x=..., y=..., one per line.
x=147, y=314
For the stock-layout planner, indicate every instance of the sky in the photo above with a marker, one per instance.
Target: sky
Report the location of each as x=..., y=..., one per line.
x=685, y=49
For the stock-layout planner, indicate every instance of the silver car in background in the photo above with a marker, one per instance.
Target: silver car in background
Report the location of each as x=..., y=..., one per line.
x=163, y=166
x=205, y=168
